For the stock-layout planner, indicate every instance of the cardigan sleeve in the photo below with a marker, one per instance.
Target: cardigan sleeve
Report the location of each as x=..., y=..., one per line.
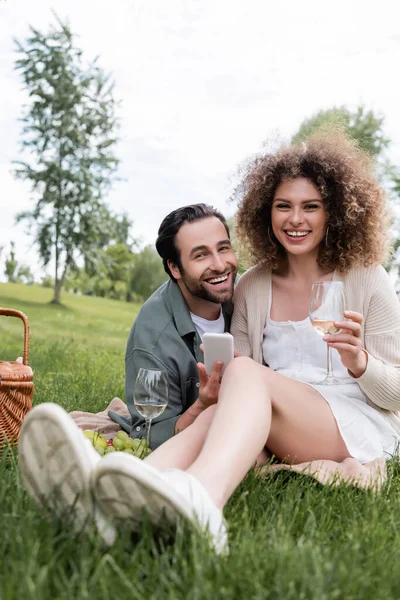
x=239, y=325
x=381, y=379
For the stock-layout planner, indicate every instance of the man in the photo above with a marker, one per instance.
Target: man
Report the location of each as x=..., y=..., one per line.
x=194, y=244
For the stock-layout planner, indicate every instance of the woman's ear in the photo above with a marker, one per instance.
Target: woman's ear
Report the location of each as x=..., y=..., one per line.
x=174, y=270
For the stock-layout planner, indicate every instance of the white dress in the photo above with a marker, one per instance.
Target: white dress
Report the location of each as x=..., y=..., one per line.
x=294, y=349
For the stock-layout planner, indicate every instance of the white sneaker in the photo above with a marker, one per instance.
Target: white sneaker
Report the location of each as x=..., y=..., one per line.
x=203, y=510
x=56, y=462
x=126, y=486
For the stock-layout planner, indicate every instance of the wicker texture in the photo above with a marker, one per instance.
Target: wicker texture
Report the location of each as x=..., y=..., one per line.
x=16, y=387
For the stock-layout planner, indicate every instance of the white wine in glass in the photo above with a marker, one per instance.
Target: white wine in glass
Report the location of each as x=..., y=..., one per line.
x=151, y=395
x=326, y=307
x=324, y=327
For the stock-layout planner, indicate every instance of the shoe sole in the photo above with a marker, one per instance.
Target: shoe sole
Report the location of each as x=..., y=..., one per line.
x=126, y=488
x=53, y=460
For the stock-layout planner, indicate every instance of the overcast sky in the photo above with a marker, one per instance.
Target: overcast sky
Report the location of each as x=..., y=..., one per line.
x=202, y=84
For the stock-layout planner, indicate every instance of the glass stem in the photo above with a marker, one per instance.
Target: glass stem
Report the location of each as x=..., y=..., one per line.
x=329, y=371
x=148, y=425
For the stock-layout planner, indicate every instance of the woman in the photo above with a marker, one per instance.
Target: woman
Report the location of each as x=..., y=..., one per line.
x=315, y=213
x=309, y=213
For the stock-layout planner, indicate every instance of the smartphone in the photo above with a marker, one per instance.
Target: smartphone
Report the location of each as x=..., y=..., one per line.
x=217, y=346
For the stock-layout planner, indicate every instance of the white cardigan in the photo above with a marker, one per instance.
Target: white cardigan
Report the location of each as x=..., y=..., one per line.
x=368, y=291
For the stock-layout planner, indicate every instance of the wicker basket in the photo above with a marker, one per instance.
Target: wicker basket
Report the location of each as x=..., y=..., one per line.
x=16, y=387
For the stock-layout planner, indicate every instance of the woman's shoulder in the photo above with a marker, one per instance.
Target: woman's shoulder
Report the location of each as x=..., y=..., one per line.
x=366, y=275
x=255, y=279
x=370, y=282
x=254, y=275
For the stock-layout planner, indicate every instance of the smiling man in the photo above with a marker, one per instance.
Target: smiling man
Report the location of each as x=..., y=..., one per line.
x=194, y=244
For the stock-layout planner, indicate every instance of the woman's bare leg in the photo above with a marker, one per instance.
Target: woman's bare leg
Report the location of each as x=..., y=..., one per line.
x=182, y=449
x=257, y=405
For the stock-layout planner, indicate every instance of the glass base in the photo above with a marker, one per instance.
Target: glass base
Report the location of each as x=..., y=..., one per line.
x=330, y=380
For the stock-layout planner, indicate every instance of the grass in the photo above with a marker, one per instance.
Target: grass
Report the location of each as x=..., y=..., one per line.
x=290, y=538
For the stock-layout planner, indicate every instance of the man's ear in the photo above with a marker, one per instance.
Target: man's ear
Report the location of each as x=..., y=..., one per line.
x=174, y=270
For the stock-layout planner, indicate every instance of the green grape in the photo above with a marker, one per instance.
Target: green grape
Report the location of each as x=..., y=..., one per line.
x=100, y=450
x=100, y=440
x=89, y=434
x=142, y=451
x=129, y=443
x=110, y=449
x=118, y=443
x=128, y=451
x=137, y=443
x=122, y=435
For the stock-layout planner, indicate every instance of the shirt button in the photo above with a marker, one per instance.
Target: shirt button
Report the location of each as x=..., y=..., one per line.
x=197, y=384
x=138, y=428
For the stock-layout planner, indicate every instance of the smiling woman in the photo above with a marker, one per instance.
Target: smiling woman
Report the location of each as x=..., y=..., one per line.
x=329, y=171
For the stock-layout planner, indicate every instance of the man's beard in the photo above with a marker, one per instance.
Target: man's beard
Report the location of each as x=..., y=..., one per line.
x=198, y=289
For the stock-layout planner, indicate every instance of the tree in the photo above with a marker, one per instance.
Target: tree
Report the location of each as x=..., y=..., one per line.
x=15, y=272
x=362, y=125
x=25, y=275
x=11, y=265
x=69, y=130
x=147, y=273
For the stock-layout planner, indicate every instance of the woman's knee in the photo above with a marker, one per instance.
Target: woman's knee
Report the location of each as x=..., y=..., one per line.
x=244, y=367
x=240, y=365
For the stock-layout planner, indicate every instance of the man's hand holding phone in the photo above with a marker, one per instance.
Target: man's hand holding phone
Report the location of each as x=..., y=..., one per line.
x=218, y=352
x=209, y=384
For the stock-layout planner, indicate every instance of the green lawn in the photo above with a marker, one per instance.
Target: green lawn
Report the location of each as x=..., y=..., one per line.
x=289, y=536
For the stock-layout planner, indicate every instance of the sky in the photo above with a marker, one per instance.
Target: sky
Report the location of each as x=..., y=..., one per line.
x=202, y=85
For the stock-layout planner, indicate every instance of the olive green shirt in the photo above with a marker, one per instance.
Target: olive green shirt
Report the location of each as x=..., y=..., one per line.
x=164, y=337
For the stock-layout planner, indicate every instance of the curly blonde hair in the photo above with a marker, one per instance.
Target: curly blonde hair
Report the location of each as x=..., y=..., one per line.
x=344, y=176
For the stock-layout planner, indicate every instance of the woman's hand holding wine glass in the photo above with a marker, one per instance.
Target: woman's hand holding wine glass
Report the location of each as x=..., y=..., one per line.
x=348, y=343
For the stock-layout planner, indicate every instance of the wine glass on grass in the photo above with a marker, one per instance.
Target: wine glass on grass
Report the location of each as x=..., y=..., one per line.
x=326, y=307
x=151, y=395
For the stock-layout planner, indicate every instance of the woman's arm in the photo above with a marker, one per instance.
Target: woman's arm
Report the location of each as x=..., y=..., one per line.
x=381, y=379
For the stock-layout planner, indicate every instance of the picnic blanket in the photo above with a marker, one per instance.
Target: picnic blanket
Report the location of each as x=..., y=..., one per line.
x=100, y=421
x=371, y=475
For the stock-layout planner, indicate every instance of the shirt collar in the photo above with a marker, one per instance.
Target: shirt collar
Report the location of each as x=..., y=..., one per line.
x=181, y=314
x=180, y=311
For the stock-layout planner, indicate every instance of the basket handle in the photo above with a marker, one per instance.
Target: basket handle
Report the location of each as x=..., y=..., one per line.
x=11, y=312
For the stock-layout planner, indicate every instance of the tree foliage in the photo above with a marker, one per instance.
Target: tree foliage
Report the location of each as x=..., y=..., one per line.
x=362, y=125
x=69, y=132
x=244, y=261
x=147, y=273
x=121, y=274
x=16, y=272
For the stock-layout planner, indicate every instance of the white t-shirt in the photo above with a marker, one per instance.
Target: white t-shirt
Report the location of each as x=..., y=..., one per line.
x=206, y=326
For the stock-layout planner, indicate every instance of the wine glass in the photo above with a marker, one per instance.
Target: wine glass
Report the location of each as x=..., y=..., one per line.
x=326, y=306
x=151, y=395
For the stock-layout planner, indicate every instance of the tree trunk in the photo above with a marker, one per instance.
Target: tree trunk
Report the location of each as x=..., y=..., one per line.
x=59, y=283
x=57, y=292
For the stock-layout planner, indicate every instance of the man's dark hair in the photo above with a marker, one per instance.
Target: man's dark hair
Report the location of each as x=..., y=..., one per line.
x=172, y=223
